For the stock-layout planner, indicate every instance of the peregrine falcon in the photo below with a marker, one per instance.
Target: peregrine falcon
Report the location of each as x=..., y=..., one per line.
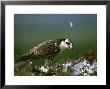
x=46, y=50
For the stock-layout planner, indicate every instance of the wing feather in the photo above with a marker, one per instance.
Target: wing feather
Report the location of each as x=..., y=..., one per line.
x=46, y=48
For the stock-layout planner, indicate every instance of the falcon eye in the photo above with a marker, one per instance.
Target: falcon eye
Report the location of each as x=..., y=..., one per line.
x=68, y=43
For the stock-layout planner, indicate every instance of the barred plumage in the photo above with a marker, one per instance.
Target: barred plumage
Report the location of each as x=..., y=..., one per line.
x=47, y=50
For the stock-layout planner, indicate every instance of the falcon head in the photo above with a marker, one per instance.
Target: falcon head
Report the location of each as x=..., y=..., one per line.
x=65, y=44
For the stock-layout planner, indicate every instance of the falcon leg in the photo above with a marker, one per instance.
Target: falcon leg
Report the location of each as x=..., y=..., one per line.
x=48, y=62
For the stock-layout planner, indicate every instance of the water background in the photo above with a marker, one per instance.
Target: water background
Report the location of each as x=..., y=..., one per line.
x=33, y=29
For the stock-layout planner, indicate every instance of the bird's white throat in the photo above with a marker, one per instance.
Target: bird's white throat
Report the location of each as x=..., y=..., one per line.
x=64, y=45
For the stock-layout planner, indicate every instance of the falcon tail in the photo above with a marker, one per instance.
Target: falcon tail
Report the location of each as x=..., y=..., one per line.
x=24, y=60
x=22, y=64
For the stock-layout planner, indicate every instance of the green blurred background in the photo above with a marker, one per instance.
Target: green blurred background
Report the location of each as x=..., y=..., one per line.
x=33, y=29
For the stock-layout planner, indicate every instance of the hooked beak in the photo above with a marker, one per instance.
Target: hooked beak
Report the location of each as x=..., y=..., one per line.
x=70, y=46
